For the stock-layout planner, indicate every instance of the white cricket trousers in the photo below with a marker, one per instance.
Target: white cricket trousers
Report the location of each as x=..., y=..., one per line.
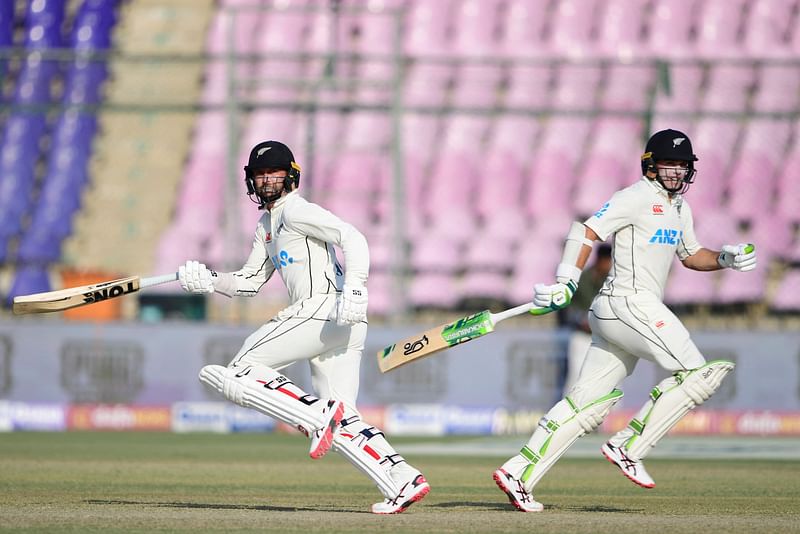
x=625, y=329
x=308, y=331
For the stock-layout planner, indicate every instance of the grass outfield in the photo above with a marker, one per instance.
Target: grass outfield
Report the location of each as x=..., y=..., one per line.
x=144, y=482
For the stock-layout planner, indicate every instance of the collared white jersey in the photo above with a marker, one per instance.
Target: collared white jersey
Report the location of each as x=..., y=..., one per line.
x=649, y=230
x=296, y=238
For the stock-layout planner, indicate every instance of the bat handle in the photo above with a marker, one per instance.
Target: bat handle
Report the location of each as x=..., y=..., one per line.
x=513, y=312
x=158, y=280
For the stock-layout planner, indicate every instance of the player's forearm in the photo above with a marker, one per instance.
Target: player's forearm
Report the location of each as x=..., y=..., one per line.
x=356, y=256
x=703, y=260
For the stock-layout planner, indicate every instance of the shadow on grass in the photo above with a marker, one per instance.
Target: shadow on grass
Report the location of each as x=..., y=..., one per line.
x=506, y=507
x=219, y=506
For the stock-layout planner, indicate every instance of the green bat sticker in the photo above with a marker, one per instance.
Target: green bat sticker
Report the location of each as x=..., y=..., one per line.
x=468, y=328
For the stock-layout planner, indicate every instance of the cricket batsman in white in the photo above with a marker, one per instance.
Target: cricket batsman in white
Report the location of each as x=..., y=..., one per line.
x=650, y=222
x=325, y=324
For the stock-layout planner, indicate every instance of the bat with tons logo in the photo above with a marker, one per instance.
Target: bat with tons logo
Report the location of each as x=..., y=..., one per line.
x=64, y=299
x=446, y=336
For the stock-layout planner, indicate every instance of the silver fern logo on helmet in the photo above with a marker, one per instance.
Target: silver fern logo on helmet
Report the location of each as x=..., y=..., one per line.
x=677, y=141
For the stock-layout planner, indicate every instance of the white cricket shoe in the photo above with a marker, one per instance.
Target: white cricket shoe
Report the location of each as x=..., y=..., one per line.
x=517, y=494
x=633, y=469
x=412, y=490
x=322, y=439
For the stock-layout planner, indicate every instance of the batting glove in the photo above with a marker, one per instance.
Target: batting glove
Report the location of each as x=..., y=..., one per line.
x=553, y=297
x=351, y=307
x=195, y=277
x=741, y=257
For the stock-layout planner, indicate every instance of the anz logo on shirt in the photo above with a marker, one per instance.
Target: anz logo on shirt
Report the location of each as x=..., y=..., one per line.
x=602, y=211
x=283, y=260
x=666, y=236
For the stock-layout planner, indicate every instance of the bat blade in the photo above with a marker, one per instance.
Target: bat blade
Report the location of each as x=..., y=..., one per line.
x=64, y=299
x=434, y=340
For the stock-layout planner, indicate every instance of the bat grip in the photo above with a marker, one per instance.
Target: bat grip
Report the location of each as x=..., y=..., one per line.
x=158, y=280
x=513, y=312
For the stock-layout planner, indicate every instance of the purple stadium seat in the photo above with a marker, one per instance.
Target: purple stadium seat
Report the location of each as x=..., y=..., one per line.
x=729, y=88
x=778, y=89
x=717, y=35
x=433, y=290
x=688, y=287
x=524, y=29
x=29, y=279
x=671, y=28
x=768, y=22
x=736, y=287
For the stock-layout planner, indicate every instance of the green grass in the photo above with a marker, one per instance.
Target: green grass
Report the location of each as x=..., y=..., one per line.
x=141, y=482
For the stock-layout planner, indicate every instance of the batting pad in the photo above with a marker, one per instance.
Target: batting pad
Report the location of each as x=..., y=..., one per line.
x=269, y=392
x=366, y=447
x=669, y=401
x=557, y=431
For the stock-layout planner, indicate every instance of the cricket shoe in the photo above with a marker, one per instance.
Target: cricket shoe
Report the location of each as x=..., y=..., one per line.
x=517, y=494
x=633, y=469
x=413, y=489
x=322, y=439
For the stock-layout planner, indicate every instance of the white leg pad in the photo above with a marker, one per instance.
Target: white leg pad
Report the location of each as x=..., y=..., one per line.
x=557, y=430
x=669, y=401
x=267, y=391
x=366, y=448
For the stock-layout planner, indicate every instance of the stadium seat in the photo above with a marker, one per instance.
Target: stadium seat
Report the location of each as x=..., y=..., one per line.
x=736, y=287
x=714, y=141
x=433, y=252
x=787, y=294
x=428, y=28
x=671, y=29
x=688, y=287
x=29, y=279
x=718, y=28
x=529, y=87
x=434, y=290
x=484, y=286
x=628, y=87
x=576, y=87
x=474, y=26
x=571, y=27
x=778, y=89
x=525, y=24
x=767, y=25
x=729, y=88
x=621, y=28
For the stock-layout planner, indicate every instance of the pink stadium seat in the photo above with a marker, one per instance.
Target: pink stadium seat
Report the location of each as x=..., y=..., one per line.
x=487, y=252
x=572, y=25
x=788, y=205
x=452, y=182
x=778, y=89
x=713, y=141
x=435, y=252
x=628, y=87
x=688, y=287
x=576, y=87
x=474, y=26
x=428, y=27
x=524, y=25
x=433, y=291
x=514, y=138
x=768, y=23
x=477, y=86
x=550, y=183
x=379, y=286
x=621, y=28
x=457, y=222
x=717, y=35
x=491, y=196
x=484, y=285
x=735, y=287
x=715, y=228
x=684, y=89
x=598, y=181
x=773, y=236
x=671, y=27
x=529, y=86
x=426, y=84
x=536, y=262
x=787, y=296
x=729, y=88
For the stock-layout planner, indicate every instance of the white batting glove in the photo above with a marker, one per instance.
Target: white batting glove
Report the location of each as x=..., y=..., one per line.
x=195, y=277
x=741, y=257
x=351, y=307
x=553, y=297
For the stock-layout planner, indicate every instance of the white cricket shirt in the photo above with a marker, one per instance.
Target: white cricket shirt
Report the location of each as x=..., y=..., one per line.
x=296, y=238
x=648, y=231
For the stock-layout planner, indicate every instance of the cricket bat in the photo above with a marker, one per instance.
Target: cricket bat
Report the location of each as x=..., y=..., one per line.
x=72, y=297
x=445, y=336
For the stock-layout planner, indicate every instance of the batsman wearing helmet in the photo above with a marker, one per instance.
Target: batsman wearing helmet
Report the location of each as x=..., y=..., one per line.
x=650, y=222
x=325, y=324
